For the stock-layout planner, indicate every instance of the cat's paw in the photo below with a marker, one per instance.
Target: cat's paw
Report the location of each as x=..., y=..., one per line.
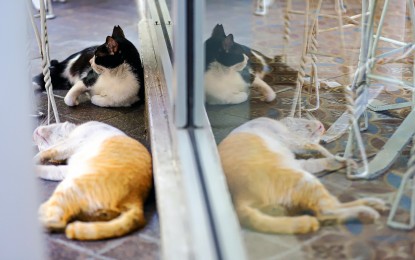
x=306, y=224
x=375, y=203
x=44, y=156
x=367, y=215
x=335, y=163
x=338, y=162
x=51, y=217
x=39, y=158
x=269, y=97
x=69, y=101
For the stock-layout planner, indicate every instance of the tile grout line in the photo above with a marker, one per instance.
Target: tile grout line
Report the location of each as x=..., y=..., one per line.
x=75, y=247
x=111, y=246
x=296, y=248
x=101, y=257
x=149, y=238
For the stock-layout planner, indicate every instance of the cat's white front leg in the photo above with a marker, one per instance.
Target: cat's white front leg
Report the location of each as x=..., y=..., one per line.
x=317, y=148
x=71, y=98
x=322, y=164
x=58, y=152
x=265, y=89
x=51, y=172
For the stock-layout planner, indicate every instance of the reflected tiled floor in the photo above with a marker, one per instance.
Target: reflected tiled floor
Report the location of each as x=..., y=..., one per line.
x=80, y=24
x=353, y=240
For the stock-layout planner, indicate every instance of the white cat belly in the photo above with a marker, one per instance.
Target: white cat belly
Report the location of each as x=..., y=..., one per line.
x=88, y=139
x=275, y=136
x=224, y=86
x=115, y=88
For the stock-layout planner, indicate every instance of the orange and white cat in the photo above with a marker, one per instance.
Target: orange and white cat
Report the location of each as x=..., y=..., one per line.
x=271, y=189
x=106, y=180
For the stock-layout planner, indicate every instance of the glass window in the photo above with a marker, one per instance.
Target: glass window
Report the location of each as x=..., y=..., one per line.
x=258, y=55
x=262, y=116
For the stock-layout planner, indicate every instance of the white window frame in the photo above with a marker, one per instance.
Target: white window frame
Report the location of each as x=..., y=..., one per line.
x=197, y=218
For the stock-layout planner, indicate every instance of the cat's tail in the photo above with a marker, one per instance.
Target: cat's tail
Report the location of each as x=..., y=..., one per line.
x=58, y=81
x=254, y=218
x=263, y=57
x=126, y=222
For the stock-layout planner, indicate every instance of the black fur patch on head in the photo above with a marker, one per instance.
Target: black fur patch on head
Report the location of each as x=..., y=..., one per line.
x=118, y=50
x=117, y=32
x=218, y=32
x=230, y=52
x=226, y=51
x=213, y=44
x=108, y=54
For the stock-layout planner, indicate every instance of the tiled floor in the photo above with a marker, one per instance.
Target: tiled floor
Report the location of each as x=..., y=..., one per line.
x=353, y=240
x=80, y=24
x=84, y=23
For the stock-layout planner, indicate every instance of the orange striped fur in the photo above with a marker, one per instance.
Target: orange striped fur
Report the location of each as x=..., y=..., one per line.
x=102, y=197
x=271, y=192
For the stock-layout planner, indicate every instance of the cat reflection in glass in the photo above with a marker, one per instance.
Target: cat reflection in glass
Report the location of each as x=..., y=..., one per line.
x=272, y=189
x=231, y=69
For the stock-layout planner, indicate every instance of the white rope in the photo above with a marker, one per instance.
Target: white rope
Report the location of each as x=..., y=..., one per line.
x=46, y=64
x=314, y=71
x=306, y=45
x=301, y=69
x=287, y=29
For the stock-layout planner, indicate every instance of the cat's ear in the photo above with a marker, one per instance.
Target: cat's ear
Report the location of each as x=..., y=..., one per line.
x=118, y=32
x=228, y=42
x=112, y=45
x=218, y=31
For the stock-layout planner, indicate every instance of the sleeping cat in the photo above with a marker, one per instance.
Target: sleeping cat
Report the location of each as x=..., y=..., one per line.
x=111, y=73
x=105, y=182
x=263, y=174
x=230, y=70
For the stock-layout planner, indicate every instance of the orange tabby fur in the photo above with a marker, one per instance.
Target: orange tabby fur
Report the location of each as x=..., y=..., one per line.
x=259, y=179
x=113, y=187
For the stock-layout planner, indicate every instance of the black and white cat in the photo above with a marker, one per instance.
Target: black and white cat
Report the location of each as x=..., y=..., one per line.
x=231, y=68
x=111, y=73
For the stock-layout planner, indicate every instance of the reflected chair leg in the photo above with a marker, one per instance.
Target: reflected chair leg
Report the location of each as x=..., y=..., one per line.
x=408, y=178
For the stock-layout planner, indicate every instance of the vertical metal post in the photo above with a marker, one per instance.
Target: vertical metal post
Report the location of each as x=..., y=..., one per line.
x=179, y=67
x=199, y=60
x=412, y=15
x=189, y=58
x=213, y=226
x=19, y=228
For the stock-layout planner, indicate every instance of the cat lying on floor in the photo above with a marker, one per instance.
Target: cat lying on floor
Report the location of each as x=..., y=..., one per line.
x=111, y=73
x=262, y=172
x=230, y=70
x=105, y=182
